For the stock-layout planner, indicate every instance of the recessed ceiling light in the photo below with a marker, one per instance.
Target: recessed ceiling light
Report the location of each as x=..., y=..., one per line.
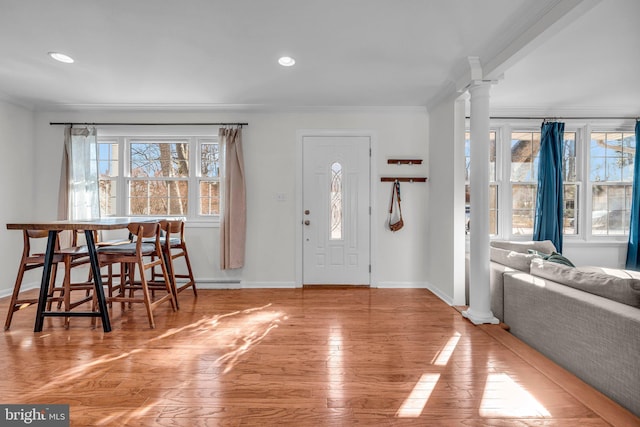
x=286, y=61
x=61, y=57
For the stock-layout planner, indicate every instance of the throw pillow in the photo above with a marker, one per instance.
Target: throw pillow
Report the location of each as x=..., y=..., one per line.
x=513, y=259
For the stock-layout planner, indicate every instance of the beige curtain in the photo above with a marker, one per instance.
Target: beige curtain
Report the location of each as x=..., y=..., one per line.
x=78, y=196
x=63, y=191
x=234, y=210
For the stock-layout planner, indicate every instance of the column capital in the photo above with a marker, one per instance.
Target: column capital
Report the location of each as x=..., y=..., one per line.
x=474, y=83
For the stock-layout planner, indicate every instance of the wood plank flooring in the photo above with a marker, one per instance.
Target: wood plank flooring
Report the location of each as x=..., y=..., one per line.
x=295, y=357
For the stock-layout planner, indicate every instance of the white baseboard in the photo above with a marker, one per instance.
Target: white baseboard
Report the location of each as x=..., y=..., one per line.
x=417, y=285
x=237, y=284
x=437, y=292
x=403, y=285
x=200, y=284
x=263, y=285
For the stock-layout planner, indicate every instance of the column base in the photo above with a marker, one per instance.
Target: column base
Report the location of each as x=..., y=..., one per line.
x=480, y=318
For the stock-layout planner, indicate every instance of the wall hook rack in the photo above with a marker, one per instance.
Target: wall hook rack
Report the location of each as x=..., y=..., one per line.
x=409, y=179
x=404, y=161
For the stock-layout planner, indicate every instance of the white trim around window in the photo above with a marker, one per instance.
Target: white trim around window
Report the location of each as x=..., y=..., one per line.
x=193, y=180
x=583, y=132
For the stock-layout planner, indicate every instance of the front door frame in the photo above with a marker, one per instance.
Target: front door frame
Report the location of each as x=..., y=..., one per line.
x=373, y=219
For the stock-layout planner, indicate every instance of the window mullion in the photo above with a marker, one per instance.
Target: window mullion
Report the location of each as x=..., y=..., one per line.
x=121, y=187
x=585, y=204
x=192, y=191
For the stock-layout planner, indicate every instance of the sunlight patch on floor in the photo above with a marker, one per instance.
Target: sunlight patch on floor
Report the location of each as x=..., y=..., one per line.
x=503, y=397
x=414, y=404
x=335, y=366
x=443, y=356
x=244, y=334
x=233, y=333
x=122, y=417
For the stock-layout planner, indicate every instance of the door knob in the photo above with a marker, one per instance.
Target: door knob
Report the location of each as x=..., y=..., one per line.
x=307, y=212
x=307, y=222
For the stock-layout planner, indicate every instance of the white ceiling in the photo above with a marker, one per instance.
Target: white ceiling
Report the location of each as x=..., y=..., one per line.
x=190, y=53
x=590, y=67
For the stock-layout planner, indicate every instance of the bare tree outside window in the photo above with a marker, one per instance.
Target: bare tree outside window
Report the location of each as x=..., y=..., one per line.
x=209, y=178
x=159, y=178
x=163, y=176
x=108, y=171
x=611, y=159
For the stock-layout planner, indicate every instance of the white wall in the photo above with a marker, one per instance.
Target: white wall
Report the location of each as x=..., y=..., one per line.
x=446, y=202
x=424, y=254
x=16, y=174
x=270, y=159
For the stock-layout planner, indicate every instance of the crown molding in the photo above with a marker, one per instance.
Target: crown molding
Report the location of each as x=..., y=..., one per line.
x=567, y=112
x=226, y=108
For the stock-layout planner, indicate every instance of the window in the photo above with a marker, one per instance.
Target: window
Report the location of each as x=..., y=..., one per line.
x=209, y=182
x=108, y=172
x=525, y=154
x=571, y=185
x=611, y=158
x=335, y=209
x=597, y=168
x=493, y=186
x=158, y=181
x=160, y=176
x=525, y=147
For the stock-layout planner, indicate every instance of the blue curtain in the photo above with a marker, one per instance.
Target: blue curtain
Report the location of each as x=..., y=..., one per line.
x=633, y=248
x=547, y=224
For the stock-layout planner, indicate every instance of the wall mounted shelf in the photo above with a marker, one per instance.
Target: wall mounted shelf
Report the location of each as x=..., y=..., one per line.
x=404, y=161
x=404, y=179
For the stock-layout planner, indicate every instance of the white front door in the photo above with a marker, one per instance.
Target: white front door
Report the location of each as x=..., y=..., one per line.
x=336, y=213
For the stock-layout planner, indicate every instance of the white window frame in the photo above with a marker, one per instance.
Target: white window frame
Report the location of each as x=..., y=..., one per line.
x=583, y=130
x=124, y=136
x=497, y=182
x=599, y=128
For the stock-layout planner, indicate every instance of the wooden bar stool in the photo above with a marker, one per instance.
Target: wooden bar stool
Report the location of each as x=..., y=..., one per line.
x=174, y=246
x=145, y=252
x=72, y=257
x=30, y=261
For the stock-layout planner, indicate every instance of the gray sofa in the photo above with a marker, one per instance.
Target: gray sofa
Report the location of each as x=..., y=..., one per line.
x=585, y=319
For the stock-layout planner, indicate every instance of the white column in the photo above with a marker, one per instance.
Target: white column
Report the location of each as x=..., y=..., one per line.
x=479, y=292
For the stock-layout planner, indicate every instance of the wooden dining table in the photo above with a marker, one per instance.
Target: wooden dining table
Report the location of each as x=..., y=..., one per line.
x=88, y=226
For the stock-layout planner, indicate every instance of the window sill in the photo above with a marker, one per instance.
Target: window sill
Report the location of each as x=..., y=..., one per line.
x=595, y=241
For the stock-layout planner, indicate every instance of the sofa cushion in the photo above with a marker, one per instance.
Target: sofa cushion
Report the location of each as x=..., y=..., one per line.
x=516, y=260
x=621, y=286
x=545, y=246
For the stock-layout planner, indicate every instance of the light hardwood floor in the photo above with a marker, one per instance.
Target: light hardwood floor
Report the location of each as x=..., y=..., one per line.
x=298, y=357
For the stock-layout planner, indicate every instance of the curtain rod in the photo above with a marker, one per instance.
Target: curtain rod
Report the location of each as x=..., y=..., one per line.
x=558, y=118
x=148, y=124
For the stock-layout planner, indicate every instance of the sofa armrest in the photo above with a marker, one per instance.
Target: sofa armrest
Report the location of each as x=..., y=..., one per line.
x=496, y=284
